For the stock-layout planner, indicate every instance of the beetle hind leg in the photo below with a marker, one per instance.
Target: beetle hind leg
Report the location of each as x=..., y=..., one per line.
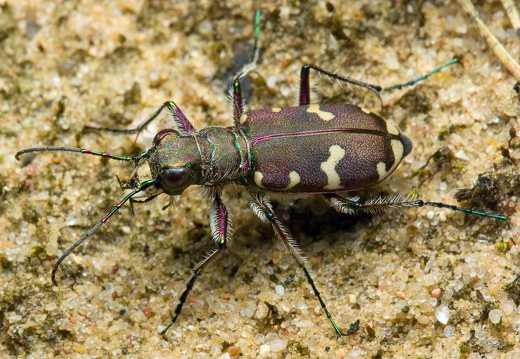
x=305, y=92
x=380, y=204
x=305, y=98
x=263, y=209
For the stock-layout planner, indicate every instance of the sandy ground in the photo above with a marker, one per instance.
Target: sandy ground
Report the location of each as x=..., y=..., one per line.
x=68, y=64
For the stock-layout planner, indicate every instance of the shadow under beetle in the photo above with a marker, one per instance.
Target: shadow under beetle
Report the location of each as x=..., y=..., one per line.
x=318, y=149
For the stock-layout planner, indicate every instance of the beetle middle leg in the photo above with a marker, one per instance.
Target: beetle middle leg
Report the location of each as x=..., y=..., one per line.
x=238, y=104
x=263, y=209
x=221, y=232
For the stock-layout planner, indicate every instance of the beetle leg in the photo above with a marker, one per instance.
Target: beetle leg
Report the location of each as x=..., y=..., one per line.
x=379, y=204
x=305, y=92
x=221, y=231
x=344, y=205
x=421, y=77
x=263, y=209
x=238, y=106
x=183, y=124
x=305, y=98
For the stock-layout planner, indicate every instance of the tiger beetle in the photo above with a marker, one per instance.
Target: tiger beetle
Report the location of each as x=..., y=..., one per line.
x=315, y=149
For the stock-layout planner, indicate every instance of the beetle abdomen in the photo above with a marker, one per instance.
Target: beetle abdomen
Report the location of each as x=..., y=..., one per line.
x=322, y=148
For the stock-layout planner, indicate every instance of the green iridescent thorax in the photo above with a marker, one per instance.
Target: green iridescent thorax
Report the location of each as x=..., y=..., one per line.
x=226, y=155
x=176, y=151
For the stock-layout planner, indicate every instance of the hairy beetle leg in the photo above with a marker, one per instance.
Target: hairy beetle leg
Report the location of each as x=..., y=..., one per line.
x=220, y=223
x=305, y=98
x=263, y=209
x=379, y=204
x=305, y=91
x=238, y=106
x=183, y=124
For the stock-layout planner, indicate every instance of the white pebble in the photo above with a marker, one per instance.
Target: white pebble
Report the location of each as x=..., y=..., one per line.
x=442, y=313
x=495, y=316
x=248, y=311
x=461, y=155
x=508, y=306
x=280, y=290
x=277, y=345
x=443, y=186
x=271, y=82
x=264, y=349
x=448, y=331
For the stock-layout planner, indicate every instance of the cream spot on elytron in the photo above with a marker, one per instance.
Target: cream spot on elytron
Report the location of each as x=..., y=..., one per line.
x=392, y=129
x=398, y=150
x=381, y=170
x=329, y=167
x=276, y=109
x=365, y=110
x=258, y=176
x=294, y=179
x=324, y=115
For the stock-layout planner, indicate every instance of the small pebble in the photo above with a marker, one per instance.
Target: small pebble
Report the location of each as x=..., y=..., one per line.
x=400, y=294
x=271, y=82
x=264, y=349
x=508, y=306
x=495, y=316
x=352, y=298
x=448, y=331
x=461, y=155
x=280, y=290
x=436, y=293
x=233, y=350
x=442, y=313
x=277, y=345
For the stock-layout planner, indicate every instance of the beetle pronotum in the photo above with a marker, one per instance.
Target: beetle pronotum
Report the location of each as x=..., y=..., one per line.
x=327, y=149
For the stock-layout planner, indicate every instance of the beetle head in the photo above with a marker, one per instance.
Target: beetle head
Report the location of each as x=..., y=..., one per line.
x=175, y=162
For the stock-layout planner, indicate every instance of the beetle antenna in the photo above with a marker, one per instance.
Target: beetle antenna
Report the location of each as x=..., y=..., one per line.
x=135, y=158
x=92, y=230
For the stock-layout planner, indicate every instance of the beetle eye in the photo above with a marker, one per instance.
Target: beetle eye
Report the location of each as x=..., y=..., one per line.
x=174, y=178
x=162, y=134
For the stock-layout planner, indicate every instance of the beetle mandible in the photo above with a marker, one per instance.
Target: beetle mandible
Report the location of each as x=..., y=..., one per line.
x=318, y=149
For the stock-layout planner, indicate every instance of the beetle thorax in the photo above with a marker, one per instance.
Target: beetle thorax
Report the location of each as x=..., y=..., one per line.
x=226, y=155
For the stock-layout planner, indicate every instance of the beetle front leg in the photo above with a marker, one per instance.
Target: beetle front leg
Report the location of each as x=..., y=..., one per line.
x=263, y=209
x=221, y=233
x=183, y=124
